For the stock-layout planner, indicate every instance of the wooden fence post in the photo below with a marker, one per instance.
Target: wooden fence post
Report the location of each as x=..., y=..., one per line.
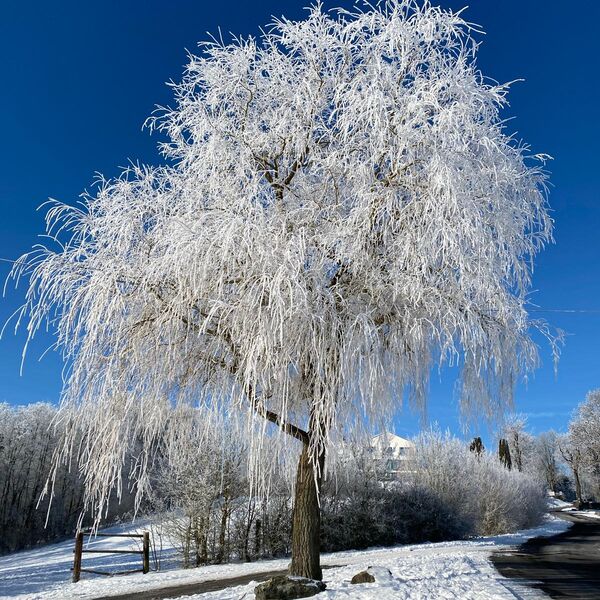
x=146, y=557
x=77, y=559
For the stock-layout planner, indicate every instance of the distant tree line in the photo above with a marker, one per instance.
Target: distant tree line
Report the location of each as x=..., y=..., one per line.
x=568, y=463
x=28, y=440
x=202, y=500
x=579, y=448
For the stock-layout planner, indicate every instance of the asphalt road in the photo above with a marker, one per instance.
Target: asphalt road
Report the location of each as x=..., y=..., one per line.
x=566, y=565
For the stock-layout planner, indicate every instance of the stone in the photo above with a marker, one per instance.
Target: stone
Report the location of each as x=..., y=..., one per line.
x=372, y=574
x=363, y=577
x=287, y=587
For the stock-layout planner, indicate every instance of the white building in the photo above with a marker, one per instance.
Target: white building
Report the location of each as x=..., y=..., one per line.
x=393, y=454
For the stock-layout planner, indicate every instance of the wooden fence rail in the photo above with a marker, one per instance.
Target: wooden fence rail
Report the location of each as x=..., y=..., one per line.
x=79, y=550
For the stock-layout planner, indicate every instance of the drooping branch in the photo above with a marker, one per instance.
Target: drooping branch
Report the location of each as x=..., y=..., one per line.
x=285, y=426
x=410, y=222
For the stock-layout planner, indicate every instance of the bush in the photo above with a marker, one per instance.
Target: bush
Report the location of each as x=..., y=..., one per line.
x=451, y=494
x=486, y=497
x=419, y=515
x=387, y=517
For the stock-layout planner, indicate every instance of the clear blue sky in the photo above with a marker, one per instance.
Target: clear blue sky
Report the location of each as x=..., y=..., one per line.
x=79, y=78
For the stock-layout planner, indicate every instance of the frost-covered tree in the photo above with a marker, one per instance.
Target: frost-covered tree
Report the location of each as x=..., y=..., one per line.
x=584, y=439
x=547, y=453
x=573, y=457
x=520, y=442
x=585, y=427
x=27, y=444
x=341, y=210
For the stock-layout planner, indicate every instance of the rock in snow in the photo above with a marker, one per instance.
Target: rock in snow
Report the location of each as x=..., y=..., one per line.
x=284, y=587
x=363, y=577
x=372, y=574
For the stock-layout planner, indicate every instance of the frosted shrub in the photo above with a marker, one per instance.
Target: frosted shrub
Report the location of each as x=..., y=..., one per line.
x=353, y=504
x=443, y=466
x=509, y=500
x=478, y=490
x=359, y=511
x=384, y=517
x=355, y=517
x=419, y=515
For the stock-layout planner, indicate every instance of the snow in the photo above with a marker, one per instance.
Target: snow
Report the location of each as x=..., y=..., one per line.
x=587, y=514
x=459, y=569
x=558, y=503
x=570, y=508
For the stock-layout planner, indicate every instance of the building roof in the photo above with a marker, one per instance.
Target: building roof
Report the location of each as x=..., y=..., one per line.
x=390, y=440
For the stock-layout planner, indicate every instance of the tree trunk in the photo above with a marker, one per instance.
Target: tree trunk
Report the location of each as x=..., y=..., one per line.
x=257, y=541
x=578, y=495
x=306, y=519
x=223, y=531
x=187, y=541
x=518, y=453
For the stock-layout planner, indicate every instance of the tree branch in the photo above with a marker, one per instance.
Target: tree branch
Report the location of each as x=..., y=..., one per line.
x=274, y=418
x=285, y=426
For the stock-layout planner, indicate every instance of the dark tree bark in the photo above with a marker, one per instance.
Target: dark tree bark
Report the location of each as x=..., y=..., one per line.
x=306, y=515
x=504, y=453
x=222, y=552
x=518, y=452
x=477, y=446
x=246, y=532
x=578, y=493
x=257, y=538
x=573, y=458
x=306, y=518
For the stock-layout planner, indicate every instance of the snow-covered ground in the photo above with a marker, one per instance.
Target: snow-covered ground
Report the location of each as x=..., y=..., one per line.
x=557, y=503
x=568, y=507
x=449, y=570
x=588, y=514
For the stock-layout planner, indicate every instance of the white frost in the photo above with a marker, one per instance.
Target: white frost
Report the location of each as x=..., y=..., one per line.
x=343, y=211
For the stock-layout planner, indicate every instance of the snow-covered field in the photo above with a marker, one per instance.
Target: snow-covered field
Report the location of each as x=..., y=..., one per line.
x=448, y=570
x=452, y=571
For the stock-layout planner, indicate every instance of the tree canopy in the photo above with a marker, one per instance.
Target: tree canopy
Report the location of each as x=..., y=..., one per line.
x=340, y=209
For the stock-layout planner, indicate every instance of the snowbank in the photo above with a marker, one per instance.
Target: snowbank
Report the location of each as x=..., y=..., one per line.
x=449, y=570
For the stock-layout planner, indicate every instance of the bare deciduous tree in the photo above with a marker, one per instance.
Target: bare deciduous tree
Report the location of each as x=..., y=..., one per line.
x=584, y=440
x=547, y=453
x=572, y=455
x=520, y=442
